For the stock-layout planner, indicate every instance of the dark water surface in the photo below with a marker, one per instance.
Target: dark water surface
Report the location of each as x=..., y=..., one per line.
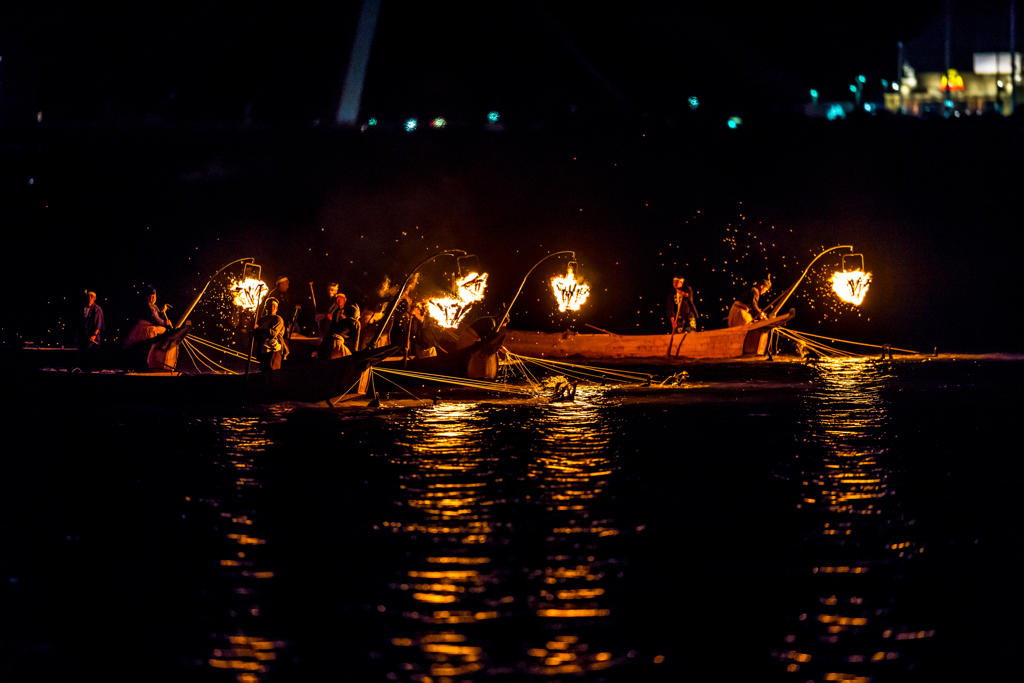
x=841, y=521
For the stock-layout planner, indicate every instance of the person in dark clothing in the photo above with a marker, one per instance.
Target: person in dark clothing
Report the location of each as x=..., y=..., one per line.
x=90, y=325
x=680, y=310
x=745, y=309
x=270, y=346
x=344, y=331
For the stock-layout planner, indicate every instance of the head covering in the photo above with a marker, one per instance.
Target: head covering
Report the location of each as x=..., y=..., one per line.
x=269, y=299
x=283, y=278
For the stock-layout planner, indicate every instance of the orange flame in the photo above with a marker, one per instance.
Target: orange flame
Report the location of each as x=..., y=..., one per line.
x=450, y=311
x=570, y=292
x=851, y=286
x=248, y=293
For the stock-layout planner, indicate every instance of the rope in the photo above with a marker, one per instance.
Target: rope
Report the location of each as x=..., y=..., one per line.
x=606, y=371
x=330, y=402
x=820, y=349
x=192, y=358
x=843, y=341
x=222, y=349
x=475, y=384
x=207, y=359
x=534, y=382
x=374, y=372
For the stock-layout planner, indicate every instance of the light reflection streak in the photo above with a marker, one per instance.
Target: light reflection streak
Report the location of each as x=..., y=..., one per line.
x=446, y=497
x=570, y=477
x=243, y=592
x=855, y=523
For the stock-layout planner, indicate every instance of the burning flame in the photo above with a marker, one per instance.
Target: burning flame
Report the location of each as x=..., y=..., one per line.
x=570, y=292
x=851, y=286
x=248, y=293
x=450, y=311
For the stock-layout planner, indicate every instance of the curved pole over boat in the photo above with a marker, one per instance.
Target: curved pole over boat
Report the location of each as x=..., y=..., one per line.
x=776, y=305
x=504, y=318
x=398, y=297
x=199, y=296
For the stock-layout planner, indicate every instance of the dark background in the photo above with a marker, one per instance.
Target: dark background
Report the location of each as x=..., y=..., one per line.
x=176, y=138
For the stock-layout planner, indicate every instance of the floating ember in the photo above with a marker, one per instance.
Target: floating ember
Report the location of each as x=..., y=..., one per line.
x=570, y=292
x=450, y=311
x=851, y=286
x=248, y=293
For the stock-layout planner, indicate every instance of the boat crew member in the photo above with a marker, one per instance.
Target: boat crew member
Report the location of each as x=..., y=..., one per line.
x=344, y=330
x=90, y=325
x=288, y=308
x=680, y=311
x=270, y=346
x=151, y=322
x=326, y=309
x=745, y=309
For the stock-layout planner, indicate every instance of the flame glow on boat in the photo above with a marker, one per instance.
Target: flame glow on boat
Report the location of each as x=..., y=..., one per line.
x=851, y=286
x=248, y=293
x=570, y=292
x=450, y=311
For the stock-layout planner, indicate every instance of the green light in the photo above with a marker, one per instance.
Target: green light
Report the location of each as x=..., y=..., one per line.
x=493, y=117
x=438, y=122
x=372, y=122
x=853, y=88
x=862, y=79
x=410, y=125
x=693, y=102
x=734, y=122
x=814, y=94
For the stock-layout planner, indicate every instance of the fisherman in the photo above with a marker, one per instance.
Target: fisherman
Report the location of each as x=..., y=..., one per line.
x=152, y=322
x=289, y=308
x=325, y=310
x=424, y=334
x=90, y=325
x=269, y=331
x=344, y=330
x=745, y=309
x=680, y=310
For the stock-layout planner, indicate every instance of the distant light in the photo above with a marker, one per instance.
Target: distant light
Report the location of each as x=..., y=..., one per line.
x=438, y=122
x=735, y=121
x=493, y=117
x=372, y=122
x=410, y=125
x=814, y=94
x=853, y=88
x=885, y=83
x=861, y=79
x=693, y=102
x=868, y=106
x=31, y=181
x=895, y=87
x=999, y=83
x=836, y=111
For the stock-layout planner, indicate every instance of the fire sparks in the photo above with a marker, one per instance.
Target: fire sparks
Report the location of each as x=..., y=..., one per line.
x=450, y=311
x=570, y=292
x=851, y=286
x=248, y=293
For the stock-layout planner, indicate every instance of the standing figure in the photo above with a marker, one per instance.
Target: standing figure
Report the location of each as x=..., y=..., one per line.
x=325, y=310
x=745, y=309
x=270, y=346
x=90, y=325
x=344, y=330
x=680, y=310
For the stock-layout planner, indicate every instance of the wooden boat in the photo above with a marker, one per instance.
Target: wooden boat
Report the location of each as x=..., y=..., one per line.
x=730, y=342
x=309, y=383
x=476, y=361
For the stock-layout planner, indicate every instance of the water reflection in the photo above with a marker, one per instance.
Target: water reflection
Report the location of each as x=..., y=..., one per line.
x=857, y=538
x=447, y=586
x=230, y=493
x=570, y=475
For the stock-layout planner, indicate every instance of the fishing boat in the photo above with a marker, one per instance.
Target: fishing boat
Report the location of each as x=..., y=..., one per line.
x=476, y=361
x=332, y=380
x=730, y=342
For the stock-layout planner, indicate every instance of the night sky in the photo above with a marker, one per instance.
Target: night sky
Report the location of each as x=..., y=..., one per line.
x=175, y=137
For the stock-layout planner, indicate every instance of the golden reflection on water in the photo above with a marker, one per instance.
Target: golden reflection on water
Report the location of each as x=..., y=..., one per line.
x=854, y=513
x=446, y=499
x=570, y=474
x=451, y=483
x=241, y=587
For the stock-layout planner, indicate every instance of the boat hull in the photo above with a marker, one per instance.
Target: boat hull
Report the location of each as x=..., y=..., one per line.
x=730, y=342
